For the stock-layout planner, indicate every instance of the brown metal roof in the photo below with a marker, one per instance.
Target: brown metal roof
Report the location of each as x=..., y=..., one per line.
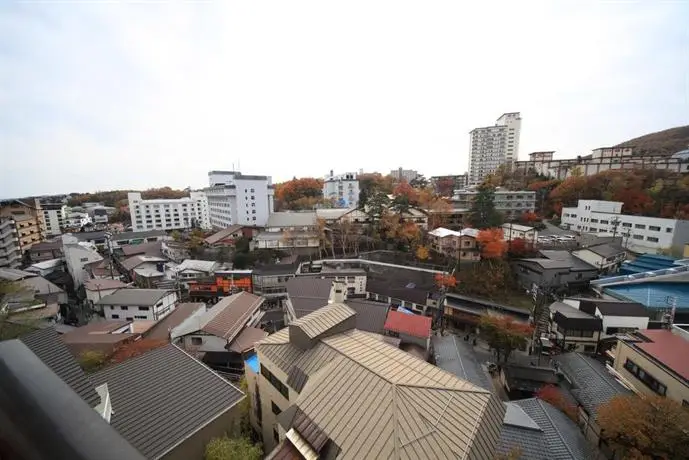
x=247, y=339
x=227, y=318
x=161, y=330
x=222, y=234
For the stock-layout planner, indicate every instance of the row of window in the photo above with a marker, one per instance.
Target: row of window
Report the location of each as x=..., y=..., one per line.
x=129, y=318
x=645, y=377
x=127, y=308
x=279, y=386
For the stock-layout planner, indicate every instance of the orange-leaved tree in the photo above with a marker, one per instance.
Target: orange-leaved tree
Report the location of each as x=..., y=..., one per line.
x=552, y=395
x=288, y=193
x=407, y=191
x=493, y=244
x=422, y=252
x=504, y=335
x=520, y=247
x=529, y=217
x=445, y=281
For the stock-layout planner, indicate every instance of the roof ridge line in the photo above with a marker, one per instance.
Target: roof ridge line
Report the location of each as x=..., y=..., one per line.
x=550, y=419
x=395, y=424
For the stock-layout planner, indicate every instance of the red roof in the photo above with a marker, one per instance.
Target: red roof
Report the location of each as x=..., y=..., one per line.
x=414, y=325
x=668, y=348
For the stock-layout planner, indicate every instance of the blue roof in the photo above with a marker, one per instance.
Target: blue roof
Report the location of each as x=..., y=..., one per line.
x=253, y=363
x=647, y=262
x=652, y=294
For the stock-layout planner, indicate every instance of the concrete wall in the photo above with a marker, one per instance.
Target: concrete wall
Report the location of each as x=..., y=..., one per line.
x=627, y=322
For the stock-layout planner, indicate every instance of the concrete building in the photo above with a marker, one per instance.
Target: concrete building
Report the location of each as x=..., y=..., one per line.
x=407, y=175
x=169, y=214
x=138, y=304
x=54, y=217
x=640, y=233
x=573, y=329
x=10, y=251
x=343, y=189
x=654, y=362
x=76, y=219
x=494, y=146
x=237, y=199
x=600, y=159
x=511, y=203
x=295, y=381
x=28, y=220
x=291, y=231
x=77, y=256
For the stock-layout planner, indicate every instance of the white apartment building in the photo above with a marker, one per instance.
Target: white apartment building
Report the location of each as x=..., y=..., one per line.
x=54, y=217
x=343, y=188
x=169, y=214
x=404, y=174
x=238, y=199
x=77, y=256
x=640, y=234
x=10, y=251
x=493, y=146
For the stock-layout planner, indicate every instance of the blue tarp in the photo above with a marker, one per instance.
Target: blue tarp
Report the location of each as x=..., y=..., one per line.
x=253, y=363
x=405, y=311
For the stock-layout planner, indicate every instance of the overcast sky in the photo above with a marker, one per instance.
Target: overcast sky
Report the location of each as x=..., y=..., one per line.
x=101, y=95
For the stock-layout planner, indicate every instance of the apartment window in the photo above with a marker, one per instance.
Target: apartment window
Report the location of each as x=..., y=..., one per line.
x=627, y=225
x=640, y=226
x=654, y=228
x=638, y=237
x=140, y=317
x=595, y=221
x=196, y=341
x=652, y=239
x=274, y=407
x=668, y=230
x=84, y=259
x=115, y=316
x=144, y=308
x=644, y=377
x=281, y=387
x=604, y=222
x=124, y=308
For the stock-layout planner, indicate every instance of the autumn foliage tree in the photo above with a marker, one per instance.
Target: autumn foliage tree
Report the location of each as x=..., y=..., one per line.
x=520, y=247
x=552, y=395
x=134, y=349
x=493, y=244
x=422, y=252
x=445, y=281
x=504, y=335
x=649, y=427
x=302, y=193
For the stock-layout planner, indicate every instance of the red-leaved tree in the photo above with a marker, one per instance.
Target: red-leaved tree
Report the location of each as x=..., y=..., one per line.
x=493, y=244
x=552, y=395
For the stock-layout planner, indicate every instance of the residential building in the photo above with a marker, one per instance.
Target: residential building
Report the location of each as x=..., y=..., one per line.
x=406, y=175
x=555, y=270
x=591, y=385
x=10, y=250
x=27, y=218
x=100, y=238
x=191, y=269
x=54, y=217
x=297, y=404
x=142, y=269
x=292, y=231
x=600, y=159
x=494, y=146
x=78, y=256
x=525, y=381
x=512, y=231
x=99, y=214
x=460, y=245
x=220, y=335
x=100, y=336
x=654, y=362
x=138, y=304
x=607, y=258
x=509, y=202
x=197, y=403
x=618, y=317
x=96, y=289
x=640, y=233
x=46, y=250
x=238, y=199
x=457, y=181
x=572, y=329
x=169, y=214
x=34, y=286
x=47, y=267
x=162, y=330
x=306, y=295
x=343, y=189
x=154, y=249
x=353, y=278
x=540, y=431
x=401, y=287
x=270, y=281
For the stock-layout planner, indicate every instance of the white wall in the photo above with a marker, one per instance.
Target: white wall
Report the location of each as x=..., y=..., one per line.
x=233, y=202
x=160, y=310
x=622, y=321
x=76, y=257
x=94, y=296
x=171, y=214
x=349, y=195
x=54, y=220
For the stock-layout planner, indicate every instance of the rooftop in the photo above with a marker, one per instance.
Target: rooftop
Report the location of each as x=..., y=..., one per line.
x=413, y=325
x=161, y=330
x=609, y=307
x=98, y=336
x=652, y=295
x=667, y=347
x=370, y=316
x=308, y=294
x=140, y=297
x=131, y=263
x=291, y=219
x=575, y=263
x=458, y=357
x=574, y=319
x=197, y=265
x=103, y=284
x=606, y=250
x=135, y=235
x=394, y=405
x=150, y=249
x=164, y=381
x=223, y=234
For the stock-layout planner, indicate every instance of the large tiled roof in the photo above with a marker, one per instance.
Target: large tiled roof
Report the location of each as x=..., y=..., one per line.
x=457, y=357
x=591, y=384
x=308, y=294
x=322, y=320
x=575, y=263
x=606, y=250
x=413, y=325
x=164, y=396
x=129, y=296
x=393, y=406
x=668, y=348
x=46, y=344
x=150, y=249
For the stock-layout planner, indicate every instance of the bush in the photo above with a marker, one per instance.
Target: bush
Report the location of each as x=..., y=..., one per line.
x=226, y=448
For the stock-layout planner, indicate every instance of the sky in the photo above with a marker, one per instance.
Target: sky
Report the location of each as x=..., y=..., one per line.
x=100, y=95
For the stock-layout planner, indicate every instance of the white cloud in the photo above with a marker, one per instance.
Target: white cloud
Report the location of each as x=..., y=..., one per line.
x=109, y=95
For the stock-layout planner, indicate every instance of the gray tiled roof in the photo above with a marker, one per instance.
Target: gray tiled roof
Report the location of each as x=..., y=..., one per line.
x=606, y=250
x=591, y=384
x=47, y=345
x=574, y=262
x=457, y=357
x=370, y=316
x=133, y=297
x=164, y=396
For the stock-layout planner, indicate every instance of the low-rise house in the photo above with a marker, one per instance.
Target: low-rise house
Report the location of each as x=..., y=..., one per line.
x=522, y=232
x=191, y=269
x=138, y=304
x=298, y=405
x=45, y=250
x=220, y=335
x=293, y=231
x=142, y=262
x=228, y=236
x=96, y=289
x=162, y=330
x=353, y=278
x=574, y=330
x=410, y=328
x=556, y=270
x=607, y=258
x=402, y=288
x=460, y=245
x=100, y=336
x=618, y=317
x=591, y=386
x=654, y=362
x=169, y=405
x=540, y=431
x=146, y=249
x=33, y=286
x=47, y=267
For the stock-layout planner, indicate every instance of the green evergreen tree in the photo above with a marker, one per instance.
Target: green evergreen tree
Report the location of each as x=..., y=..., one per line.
x=483, y=213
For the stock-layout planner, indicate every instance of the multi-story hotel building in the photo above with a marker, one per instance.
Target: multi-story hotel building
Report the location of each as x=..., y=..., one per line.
x=494, y=146
x=238, y=199
x=343, y=188
x=28, y=220
x=169, y=214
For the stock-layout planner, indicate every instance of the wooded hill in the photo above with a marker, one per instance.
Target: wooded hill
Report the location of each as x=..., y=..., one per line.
x=665, y=142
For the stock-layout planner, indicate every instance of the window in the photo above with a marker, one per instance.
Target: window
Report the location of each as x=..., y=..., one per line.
x=196, y=341
x=281, y=387
x=115, y=316
x=654, y=228
x=276, y=436
x=124, y=308
x=668, y=230
x=640, y=226
x=140, y=317
x=638, y=237
x=645, y=378
x=627, y=225
x=84, y=259
x=144, y=308
x=129, y=318
x=652, y=239
x=275, y=408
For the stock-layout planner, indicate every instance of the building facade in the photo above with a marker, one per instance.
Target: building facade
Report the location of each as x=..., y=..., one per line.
x=511, y=203
x=343, y=189
x=10, y=252
x=138, y=304
x=237, y=199
x=404, y=174
x=494, y=146
x=54, y=216
x=27, y=218
x=639, y=233
x=169, y=214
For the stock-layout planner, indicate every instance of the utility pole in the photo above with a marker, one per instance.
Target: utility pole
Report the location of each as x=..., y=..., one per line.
x=108, y=237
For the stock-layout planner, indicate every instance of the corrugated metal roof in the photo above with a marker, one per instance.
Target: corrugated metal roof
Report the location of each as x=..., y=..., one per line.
x=223, y=234
x=323, y=319
x=414, y=325
x=247, y=338
x=161, y=329
x=46, y=344
x=162, y=397
x=227, y=318
x=291, y=219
